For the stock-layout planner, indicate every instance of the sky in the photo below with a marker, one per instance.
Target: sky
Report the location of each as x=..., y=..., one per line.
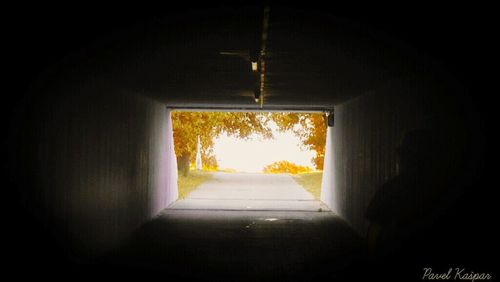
x=254, y=154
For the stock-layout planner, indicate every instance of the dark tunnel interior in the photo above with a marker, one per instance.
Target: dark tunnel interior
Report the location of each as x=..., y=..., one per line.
x=409, y=176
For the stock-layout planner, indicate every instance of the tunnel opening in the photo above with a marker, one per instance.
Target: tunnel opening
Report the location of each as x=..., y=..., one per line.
x=260, y=223
x=249, y=160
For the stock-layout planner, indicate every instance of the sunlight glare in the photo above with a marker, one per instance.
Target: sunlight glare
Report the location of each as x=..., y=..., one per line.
x=254, y=154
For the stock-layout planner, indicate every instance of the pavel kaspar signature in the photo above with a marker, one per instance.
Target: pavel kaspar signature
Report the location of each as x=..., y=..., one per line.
x=455, y=274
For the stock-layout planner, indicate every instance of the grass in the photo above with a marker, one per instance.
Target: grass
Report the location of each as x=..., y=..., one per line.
x=190, y=182
x=311, y=181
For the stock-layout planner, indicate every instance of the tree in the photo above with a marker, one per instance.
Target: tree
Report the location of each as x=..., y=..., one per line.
x=209, y=125
x=285, y=167
x=309, y=127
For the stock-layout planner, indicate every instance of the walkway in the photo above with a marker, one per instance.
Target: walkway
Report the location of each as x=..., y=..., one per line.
x=242, y=227
x=250, y=191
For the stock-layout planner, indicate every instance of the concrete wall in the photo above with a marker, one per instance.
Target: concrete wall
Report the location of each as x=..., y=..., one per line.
x=361, y=147
x=102, y=163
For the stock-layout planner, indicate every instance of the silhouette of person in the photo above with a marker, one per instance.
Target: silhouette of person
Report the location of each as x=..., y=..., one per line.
x=403, y=204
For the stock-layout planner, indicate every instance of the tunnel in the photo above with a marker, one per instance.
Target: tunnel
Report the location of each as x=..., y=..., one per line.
x=90, y=148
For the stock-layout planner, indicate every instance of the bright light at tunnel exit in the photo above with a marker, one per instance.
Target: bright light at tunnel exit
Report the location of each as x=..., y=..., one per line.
x=254, y=154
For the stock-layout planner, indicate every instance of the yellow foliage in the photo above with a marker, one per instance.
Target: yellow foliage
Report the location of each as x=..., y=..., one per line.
x=309, y=127
x=285, y=167
x=209, y=167
x=188, y=126
x=204, y=167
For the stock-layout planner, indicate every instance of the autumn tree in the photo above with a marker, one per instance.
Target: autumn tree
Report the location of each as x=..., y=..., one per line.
x=285, y=167
x=209, y=125
x=309, y=127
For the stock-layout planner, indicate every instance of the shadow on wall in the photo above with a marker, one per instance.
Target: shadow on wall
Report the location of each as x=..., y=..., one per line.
x=392, y=194
x=407, y=202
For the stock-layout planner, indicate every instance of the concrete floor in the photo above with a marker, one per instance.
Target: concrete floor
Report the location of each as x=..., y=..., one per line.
x=250, y=191
x=213, y=236
x=241, y=246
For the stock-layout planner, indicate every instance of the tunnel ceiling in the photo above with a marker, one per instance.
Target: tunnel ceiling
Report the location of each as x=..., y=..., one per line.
x=313, y=61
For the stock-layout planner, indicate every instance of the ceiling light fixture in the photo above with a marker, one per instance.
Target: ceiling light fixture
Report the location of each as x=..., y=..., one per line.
x=254, y=66
x=256, y=93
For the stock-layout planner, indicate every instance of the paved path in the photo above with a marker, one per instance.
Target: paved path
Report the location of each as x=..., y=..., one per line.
x=243, y=227
x=216, y=245
x=250, y=191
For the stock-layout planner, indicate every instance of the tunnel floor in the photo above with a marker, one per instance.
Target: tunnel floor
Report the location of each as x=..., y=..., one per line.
x=242, y=227
x=241, y=246
x=250, y=191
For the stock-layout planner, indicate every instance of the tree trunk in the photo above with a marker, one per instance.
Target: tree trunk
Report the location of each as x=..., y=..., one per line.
x=183, y=164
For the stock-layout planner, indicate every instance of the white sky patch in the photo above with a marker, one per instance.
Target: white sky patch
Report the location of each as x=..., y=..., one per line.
x=254, y=154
